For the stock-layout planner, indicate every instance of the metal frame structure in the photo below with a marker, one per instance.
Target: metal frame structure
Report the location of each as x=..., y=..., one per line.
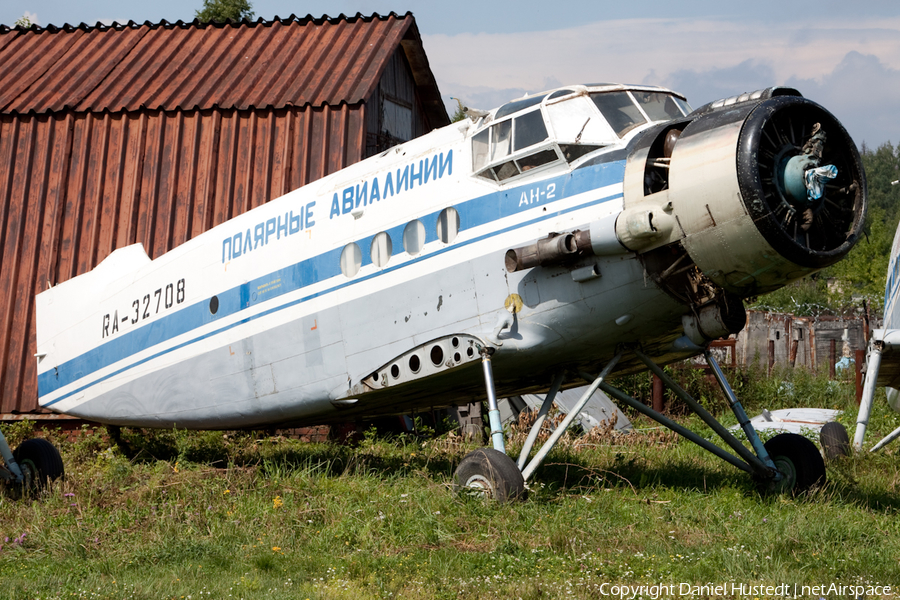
x=781, y=473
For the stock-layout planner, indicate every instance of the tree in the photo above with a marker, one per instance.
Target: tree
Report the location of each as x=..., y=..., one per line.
x=863, y=272
x=25, y=21
x=221, y=11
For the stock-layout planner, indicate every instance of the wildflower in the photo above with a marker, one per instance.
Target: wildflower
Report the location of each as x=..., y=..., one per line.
x=175, y=468
x=226, y=492
x=277, y=502
x=68, y=495
x=276, y=549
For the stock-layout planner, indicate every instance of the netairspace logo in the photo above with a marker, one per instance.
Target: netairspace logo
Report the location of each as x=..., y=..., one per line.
x=739, y=590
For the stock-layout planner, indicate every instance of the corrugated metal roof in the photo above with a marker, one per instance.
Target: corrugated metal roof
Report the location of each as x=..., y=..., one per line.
x=169, y=66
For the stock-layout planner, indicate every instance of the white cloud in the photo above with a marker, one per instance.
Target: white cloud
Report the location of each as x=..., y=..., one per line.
x=703, y=58
x=863, y=93
x=32, y=17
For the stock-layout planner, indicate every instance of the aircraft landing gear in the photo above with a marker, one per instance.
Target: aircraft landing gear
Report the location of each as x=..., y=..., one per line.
x=799, y=462
x=788, y=463
x=34, y=464
x=491, y=474
x=489, y=471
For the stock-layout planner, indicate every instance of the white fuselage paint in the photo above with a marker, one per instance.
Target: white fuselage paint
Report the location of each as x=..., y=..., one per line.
x=136, y=342
x=892, y=307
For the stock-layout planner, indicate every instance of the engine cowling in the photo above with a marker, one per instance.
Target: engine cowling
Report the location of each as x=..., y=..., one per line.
x=759, y=190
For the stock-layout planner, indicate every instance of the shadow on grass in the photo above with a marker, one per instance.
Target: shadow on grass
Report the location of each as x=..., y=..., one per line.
x=566, y=471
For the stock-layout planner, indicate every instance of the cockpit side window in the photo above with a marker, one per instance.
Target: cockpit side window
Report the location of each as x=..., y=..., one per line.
x=530, y=130
x=619, y=110
x=480, y=149
x=512, y=146
x=501, y=142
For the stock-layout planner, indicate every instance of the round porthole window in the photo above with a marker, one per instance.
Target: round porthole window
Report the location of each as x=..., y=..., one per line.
x=381, y=249
x=414, y=237
x=448, y=225
x=351, y=260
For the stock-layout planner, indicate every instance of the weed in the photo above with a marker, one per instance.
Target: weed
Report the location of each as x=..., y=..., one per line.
x=250, y=515
x=18, y=431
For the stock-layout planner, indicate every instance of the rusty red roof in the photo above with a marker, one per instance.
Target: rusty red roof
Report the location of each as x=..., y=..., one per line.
x=154, y=133
x=250, y=64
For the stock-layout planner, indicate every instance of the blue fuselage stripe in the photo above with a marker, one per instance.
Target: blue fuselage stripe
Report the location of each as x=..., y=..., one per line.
x=473, y=213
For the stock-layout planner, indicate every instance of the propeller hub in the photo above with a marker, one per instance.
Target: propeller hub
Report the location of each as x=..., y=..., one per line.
x=803, y=180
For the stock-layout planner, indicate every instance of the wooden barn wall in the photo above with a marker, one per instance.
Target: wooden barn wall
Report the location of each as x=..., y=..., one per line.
x=396, y=85
x=78, y=186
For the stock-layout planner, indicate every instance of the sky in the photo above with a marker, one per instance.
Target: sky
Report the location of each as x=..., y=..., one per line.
x=843, y=55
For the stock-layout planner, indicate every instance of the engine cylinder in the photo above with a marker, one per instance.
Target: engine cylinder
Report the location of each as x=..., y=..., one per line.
x=750, y=189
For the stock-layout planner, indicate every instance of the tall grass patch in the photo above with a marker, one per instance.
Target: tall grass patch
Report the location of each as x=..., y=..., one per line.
x=222, y=515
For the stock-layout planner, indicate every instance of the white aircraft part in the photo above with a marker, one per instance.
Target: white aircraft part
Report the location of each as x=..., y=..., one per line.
x=883, y=358
x=598, y=411
x=283, y=313
x=804, y=421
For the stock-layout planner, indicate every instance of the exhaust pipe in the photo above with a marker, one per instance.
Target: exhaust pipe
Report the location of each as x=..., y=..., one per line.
x=553, y=249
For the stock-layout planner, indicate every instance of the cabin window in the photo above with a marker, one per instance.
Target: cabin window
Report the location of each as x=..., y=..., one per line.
x=506, y=145
x=414, y=237
x=559, y=94
x=381, y=249
x=480, y=149
x=573, y=152
x=501, y=144
x=448, y=225
x=506, y=170
x=620, y=111
x=530, y=130
x=351, y=260
x=531, y=161
x=517, y=105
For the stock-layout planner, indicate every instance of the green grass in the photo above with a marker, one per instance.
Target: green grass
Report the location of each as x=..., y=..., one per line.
x=204, y=515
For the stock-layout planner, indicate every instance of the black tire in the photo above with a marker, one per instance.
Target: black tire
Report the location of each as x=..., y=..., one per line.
x=491, y=474
x=834, y=440
x=799, y=462
x=40, y=462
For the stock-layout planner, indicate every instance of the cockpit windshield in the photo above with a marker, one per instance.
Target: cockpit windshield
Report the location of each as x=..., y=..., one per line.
x=620, y=111
x=658, y=106
x=564, y=126
x=623, y=114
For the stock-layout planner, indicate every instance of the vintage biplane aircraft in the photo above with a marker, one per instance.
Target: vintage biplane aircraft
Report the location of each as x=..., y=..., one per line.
x=883, y=359
x=564, y=236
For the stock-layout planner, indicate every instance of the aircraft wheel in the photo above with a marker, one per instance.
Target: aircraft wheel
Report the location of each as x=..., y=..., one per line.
x=799, y=462
x=834, y=440
x=40, y=463
x=491, y=474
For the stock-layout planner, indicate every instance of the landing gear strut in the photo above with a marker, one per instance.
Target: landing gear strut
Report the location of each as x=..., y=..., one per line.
x=788, y=463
